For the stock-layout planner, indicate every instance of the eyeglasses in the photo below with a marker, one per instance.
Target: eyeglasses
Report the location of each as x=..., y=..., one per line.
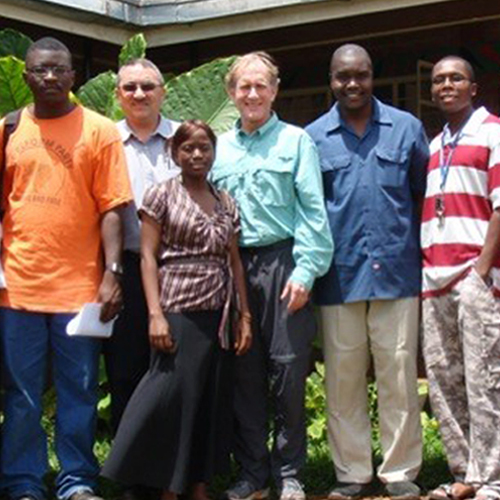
x=45, y=70
x=145, y=87
x=454, y=78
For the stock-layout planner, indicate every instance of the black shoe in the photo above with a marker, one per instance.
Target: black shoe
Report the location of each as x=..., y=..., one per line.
x=350, y=491
x=403, y=490
x=84, y=495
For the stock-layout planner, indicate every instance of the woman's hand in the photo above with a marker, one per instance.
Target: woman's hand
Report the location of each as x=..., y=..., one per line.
x=159, y=333
x=243, y=334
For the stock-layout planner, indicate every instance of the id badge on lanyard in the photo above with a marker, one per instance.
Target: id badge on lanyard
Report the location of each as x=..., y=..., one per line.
x=444, y=168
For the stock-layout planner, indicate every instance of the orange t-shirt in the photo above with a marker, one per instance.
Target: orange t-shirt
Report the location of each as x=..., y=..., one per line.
x=61, y=175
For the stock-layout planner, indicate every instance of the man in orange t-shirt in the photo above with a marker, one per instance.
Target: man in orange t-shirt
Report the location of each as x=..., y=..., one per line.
x=64, y=183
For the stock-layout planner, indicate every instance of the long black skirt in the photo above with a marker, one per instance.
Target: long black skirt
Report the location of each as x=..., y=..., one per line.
x=176, y=429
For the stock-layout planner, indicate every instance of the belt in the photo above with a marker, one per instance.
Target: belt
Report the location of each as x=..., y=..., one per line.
x=279, y=245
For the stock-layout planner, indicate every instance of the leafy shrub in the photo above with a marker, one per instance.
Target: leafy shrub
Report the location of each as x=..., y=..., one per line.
x=199, y=93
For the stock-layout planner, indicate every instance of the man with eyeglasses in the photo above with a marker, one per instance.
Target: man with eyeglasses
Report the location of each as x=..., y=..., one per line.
x=373, y=159
x=461, y=284
x=145, y=135
x=65, y=180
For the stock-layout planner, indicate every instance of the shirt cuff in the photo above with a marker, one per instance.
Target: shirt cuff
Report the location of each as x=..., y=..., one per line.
x=302, y=277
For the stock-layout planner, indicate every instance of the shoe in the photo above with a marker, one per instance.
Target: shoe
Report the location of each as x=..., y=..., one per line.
x=245, y=490
x=488, y=492
x=402, y=490
x=84, y=495
x=292, y=489
x=350, y=491
x=455, y=491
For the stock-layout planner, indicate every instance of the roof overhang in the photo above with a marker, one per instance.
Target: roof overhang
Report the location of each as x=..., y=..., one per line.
x=169, y=22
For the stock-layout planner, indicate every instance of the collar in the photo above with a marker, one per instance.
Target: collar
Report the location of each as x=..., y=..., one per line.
x=270, y=124
x=471, y=128
x=380, y=115
x=165, y=129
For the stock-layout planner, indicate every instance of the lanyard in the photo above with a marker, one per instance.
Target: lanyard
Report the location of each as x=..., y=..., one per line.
x=445, y=159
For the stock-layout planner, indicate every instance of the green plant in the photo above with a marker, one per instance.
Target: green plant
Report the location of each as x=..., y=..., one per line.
x=316, y=408
x=14, y=43
x=199, y=93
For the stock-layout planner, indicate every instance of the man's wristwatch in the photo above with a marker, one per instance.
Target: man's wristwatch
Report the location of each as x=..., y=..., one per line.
x=115, y=268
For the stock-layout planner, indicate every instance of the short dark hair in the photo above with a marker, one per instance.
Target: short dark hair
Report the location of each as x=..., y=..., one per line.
x=186, y=130
x=48, y=43
x=350, y=48
x=467, y=64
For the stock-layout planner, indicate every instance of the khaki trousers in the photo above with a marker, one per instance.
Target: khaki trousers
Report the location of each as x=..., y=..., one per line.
x=389, y=330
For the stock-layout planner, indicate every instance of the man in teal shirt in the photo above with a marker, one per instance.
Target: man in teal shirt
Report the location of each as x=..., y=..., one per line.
x=271, y=168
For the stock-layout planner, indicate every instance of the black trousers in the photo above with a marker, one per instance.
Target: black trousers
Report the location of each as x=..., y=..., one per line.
x=127, y=352
x=273, y=371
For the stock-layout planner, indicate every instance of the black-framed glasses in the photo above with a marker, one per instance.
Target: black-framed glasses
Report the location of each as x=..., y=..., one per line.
x=144, y=86
x=45, y=70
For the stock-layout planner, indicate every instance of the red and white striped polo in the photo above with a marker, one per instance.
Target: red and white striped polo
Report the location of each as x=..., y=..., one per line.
x=471, y=192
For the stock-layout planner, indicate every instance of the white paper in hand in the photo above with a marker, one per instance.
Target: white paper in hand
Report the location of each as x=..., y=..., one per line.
x=87, y=323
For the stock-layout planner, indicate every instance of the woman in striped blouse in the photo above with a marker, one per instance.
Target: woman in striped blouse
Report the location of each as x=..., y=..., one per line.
x=174, y=433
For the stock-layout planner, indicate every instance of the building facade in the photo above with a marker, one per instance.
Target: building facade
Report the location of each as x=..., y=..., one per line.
x=404, y=38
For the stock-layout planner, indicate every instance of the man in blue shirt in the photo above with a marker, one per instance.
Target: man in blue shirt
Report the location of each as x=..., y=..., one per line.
x=271, y=168
x=373, y=158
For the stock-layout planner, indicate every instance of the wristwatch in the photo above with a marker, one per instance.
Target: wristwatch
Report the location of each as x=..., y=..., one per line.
x=115, y=268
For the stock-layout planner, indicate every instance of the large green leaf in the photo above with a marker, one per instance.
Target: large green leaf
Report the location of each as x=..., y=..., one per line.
x=200, y=93
x=99, y=94
x=13, y=43
x=14, y=93
x=135, y=48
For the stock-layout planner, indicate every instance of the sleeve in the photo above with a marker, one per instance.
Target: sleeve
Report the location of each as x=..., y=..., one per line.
x=155, y=203
x=313, y=243
x=6, y=181
x=419, y=161
x=111, y=185
x=494, y=167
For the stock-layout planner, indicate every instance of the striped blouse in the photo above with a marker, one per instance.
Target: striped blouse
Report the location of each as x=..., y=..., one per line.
x=194, y=247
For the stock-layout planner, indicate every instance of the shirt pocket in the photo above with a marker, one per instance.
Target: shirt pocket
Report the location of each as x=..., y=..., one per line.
x=337, y=180
x=391, y=167
x=273, y=182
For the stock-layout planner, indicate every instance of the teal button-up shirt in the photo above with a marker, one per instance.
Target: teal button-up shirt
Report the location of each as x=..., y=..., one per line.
x=274, y=176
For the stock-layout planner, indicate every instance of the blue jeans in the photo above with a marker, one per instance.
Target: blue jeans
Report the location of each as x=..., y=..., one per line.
x=29, y=340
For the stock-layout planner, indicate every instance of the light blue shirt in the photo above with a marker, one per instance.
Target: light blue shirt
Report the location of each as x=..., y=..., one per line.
x=274, y=176
x=148, y=163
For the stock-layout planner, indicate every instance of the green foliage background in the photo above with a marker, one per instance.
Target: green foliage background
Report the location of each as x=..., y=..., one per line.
x=199, y=93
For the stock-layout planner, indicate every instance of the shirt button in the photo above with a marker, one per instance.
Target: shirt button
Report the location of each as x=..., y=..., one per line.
x=376, y=266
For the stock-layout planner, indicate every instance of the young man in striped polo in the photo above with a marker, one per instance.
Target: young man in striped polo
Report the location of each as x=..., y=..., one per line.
x=461, y=284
